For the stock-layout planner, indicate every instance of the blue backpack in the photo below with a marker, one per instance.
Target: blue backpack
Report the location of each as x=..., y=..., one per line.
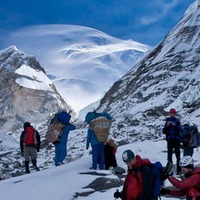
x=157, y=171
x=194, y=141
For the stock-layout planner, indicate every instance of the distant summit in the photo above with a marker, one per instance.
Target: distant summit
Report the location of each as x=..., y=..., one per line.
x=27, y=94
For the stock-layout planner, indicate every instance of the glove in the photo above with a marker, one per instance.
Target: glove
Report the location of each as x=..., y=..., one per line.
x=117, y=194
x=22, y=153
x=164, y=191
x=164, y=176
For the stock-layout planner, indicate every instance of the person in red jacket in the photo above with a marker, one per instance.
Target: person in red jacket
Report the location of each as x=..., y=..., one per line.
x=138, y=184
x=29, y=145
x=189, y=187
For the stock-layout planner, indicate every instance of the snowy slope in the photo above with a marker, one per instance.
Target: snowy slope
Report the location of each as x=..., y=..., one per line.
x=66, y=181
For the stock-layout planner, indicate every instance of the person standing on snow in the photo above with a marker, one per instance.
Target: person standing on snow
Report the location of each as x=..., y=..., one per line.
x=138, y=182
x=97, y=135
x=189, y=187
x=172, y=130
x=110, y=149
x=61, y=145
x=97, y=150
x=29, y=145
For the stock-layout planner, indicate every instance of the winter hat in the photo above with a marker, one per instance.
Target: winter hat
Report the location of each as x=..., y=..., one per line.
x=187, y=162
x=172, y=110
x=127, y=155
x=27, y=124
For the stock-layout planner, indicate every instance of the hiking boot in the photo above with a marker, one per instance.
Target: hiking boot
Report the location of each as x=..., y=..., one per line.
x=27, y=167
x=36, y=168
x=92, y=168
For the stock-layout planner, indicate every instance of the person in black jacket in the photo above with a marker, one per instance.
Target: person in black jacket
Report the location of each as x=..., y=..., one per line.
x=29, y=145
x=110, y=149
x=172, y=130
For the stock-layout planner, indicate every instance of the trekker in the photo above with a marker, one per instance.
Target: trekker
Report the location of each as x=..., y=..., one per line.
x=138, y=182
x=97, y=150
x=110, y=149
x=172, y=130
x=185, y=138
x=61, y=144
x=30, y=145
x=98, y=130
x=189, y=187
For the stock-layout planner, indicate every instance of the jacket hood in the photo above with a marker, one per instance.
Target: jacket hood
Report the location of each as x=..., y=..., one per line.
x=139, y=162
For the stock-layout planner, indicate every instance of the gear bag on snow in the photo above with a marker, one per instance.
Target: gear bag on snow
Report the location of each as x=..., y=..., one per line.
x=30, y=136
x=56, y=126
x=195, y=137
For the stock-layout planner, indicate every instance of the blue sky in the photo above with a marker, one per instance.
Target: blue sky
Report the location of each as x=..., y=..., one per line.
x=143, y=21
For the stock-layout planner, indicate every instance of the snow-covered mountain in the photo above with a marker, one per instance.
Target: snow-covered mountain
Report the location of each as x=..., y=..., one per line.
x=27, y=94
x=82, y=62
x=139, y=102
x=169, y=76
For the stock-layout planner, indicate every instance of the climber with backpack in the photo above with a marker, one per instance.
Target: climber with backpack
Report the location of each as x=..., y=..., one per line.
x=98, y=130
x=143, y=180
x=185, y=139
x=29, y=145
x=190, y=138
x=63, y=119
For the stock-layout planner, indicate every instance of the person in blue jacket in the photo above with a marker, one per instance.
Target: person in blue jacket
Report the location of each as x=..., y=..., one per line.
x=97, y=150
x=61, y=145
x=97, y=147
x=172, y=130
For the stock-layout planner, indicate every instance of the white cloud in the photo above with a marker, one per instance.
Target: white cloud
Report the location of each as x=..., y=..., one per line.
x=162, y=8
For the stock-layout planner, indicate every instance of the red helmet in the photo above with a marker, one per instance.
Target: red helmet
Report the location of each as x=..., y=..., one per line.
x=172, y=110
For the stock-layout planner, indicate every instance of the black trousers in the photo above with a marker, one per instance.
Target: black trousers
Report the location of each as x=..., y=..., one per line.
x=174, y=145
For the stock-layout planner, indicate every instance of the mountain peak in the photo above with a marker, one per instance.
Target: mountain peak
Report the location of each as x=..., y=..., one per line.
x=167, y=77
x=26, y=91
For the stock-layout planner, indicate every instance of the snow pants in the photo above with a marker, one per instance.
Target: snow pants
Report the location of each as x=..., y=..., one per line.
x=60, y=153
x=98, y=156
x=173, y=144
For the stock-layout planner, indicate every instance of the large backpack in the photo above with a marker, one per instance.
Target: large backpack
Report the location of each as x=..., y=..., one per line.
x=100, y=124
x=195, y=137
x=101, y=127
x=185, y=134
x=30, y=136
x=56, y=126
x=157, y=172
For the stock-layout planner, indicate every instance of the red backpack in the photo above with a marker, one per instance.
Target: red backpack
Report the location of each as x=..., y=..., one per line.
x=30, y=136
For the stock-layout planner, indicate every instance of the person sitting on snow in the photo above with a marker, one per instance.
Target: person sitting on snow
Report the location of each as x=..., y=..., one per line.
x=189, y=187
